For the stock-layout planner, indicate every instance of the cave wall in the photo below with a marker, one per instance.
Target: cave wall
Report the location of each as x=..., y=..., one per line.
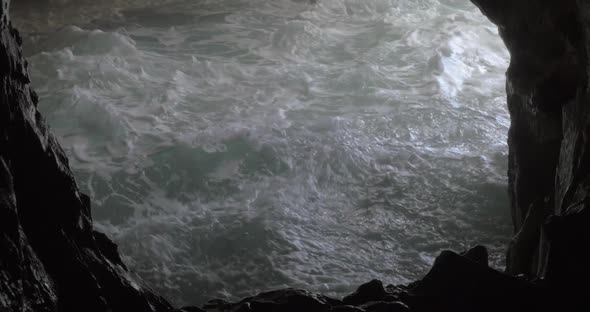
x=549, y=161
x=51, y=259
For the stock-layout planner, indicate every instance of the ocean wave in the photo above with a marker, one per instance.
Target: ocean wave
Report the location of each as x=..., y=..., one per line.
x=236, y=146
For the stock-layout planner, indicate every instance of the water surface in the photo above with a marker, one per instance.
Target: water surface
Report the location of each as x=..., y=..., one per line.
x=236, y=146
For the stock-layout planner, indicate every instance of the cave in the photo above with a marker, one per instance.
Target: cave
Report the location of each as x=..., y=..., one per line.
x=54, y=257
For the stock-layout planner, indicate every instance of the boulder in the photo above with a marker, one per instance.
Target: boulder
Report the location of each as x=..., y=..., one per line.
x=371, y=291
x=457, y=283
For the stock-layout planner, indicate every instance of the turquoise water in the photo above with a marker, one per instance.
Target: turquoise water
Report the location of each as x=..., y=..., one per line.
x=237, y=146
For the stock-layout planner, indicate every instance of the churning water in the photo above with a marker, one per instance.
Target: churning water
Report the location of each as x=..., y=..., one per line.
x=235, y=146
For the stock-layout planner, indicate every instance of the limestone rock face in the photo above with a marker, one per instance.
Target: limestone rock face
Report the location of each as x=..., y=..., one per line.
x=549, y=156
x=51, y=259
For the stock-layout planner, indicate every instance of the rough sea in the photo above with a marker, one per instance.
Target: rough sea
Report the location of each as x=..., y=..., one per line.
x=237, y=146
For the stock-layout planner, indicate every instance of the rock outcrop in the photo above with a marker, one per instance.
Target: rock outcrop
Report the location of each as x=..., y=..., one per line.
x=51, y=258
x=549, y=138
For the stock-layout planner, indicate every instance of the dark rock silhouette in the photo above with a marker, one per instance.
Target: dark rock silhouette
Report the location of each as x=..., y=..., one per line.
x=51, y=258
x=455, y=283
x=548, y=97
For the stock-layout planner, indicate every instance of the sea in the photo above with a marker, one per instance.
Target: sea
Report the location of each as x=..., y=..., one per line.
x=237, y=146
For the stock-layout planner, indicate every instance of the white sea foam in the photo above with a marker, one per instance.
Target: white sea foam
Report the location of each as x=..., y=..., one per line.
x=238, y=146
